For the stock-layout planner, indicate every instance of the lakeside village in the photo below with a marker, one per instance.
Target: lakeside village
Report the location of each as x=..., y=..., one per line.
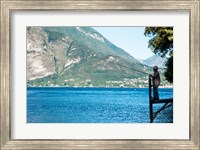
x=125, y=83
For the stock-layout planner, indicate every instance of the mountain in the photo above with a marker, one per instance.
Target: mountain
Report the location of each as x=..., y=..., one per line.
x=77, y=56
x=140, y=60
x=155, y=60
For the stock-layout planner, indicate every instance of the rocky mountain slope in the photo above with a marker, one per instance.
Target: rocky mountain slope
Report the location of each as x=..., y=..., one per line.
x=77, y=56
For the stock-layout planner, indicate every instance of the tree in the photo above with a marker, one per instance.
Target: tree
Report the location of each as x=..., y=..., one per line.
x=169, y=70
x=161, y=42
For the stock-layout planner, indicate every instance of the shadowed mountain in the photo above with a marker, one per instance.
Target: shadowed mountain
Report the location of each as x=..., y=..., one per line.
x=155, y=60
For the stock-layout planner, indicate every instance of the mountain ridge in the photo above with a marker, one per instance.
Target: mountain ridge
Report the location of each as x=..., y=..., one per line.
x=154, y=60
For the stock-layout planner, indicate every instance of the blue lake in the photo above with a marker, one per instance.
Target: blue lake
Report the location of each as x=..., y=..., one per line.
x=93, y=105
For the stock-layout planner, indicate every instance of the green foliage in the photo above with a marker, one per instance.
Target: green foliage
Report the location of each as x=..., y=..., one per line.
x=169, y=71
x=161, y=43
x=53, y=36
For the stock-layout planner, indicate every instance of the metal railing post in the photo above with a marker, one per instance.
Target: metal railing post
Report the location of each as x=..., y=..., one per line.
x=150, y=102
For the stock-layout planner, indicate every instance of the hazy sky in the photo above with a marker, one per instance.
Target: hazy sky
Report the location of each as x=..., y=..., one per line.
x=130, y=39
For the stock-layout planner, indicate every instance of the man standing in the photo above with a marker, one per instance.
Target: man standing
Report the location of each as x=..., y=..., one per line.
x=156, y=82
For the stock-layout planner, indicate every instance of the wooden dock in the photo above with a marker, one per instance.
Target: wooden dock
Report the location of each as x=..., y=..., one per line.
x=167, y=103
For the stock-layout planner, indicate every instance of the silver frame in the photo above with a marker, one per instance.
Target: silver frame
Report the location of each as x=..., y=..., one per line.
x=7, y=6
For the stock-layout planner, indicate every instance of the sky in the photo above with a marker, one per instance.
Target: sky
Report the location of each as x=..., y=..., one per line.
x=130, y=39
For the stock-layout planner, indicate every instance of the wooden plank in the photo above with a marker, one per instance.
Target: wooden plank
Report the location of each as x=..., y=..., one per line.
x=163, y=101
x=162, y=108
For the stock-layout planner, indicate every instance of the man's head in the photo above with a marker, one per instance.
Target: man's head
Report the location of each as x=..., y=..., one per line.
x=155, y=68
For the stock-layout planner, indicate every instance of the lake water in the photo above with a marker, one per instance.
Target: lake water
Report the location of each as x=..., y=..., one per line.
x=93, y=105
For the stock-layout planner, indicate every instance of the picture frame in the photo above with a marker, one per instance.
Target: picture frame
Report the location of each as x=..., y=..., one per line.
x=5, y=82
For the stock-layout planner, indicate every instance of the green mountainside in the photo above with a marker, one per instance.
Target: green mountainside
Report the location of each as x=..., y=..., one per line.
x=79, y=56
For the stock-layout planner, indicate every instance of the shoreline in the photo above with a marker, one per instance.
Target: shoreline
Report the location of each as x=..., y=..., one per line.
x=96, y=87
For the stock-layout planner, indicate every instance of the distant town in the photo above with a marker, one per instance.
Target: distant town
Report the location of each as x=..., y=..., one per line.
x=131, y=83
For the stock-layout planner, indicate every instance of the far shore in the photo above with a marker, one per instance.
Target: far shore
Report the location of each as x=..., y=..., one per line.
x=161, y=87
